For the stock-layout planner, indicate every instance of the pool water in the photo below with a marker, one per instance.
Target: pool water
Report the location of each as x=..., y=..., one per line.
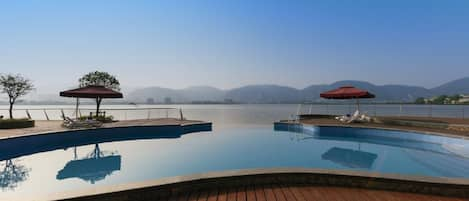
x=109, y=163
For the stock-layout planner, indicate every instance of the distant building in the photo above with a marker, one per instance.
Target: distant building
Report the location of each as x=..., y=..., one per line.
x=150, y=101
x=447, y=101
x=464, y=98
x=168, y=100
x=228, y=101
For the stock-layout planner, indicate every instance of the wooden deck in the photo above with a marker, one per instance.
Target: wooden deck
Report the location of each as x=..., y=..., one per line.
x=301, y=193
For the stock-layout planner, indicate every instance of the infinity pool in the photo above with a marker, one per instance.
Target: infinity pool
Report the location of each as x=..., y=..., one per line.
x=162, y=154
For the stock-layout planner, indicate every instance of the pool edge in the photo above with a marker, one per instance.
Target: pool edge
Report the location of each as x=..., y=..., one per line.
x=184, y=125
x=342, y=178
x=379, y=128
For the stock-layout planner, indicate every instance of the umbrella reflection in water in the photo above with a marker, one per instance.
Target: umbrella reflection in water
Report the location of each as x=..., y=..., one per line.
x=94, y=167
x=350, y=158
x=346, y=157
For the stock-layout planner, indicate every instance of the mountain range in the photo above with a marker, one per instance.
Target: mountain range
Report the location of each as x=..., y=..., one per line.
x=284, y=94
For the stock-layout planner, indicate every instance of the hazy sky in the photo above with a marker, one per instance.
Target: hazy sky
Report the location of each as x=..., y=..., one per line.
x=229, y=43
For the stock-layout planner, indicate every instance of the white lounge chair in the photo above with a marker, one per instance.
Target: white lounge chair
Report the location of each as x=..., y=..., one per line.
x=70, y=123
x=356, y=117
x=347, y=118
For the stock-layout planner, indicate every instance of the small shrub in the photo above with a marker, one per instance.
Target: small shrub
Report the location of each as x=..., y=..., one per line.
x=104, y=119
x=16, y=123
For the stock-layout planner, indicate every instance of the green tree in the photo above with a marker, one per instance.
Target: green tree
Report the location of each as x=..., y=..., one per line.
x=98, y=78
x=14, y=86
x=420, y=100
x=455, y=97
x=440, y=99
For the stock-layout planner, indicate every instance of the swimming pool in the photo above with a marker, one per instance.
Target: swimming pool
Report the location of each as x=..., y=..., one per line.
x=86, y=159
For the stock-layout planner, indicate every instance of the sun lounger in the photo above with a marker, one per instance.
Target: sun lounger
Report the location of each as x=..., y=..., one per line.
x=356, y=117
x=348, y=118
x=70, y=123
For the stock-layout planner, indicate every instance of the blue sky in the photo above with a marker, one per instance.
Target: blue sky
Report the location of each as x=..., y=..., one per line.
x=230, y=43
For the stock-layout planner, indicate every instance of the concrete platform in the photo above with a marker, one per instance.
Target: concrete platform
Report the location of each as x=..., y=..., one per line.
x=43, y=126
x=445, y=126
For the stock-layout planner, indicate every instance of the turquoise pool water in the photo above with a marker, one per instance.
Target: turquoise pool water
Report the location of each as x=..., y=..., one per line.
x=100, y=159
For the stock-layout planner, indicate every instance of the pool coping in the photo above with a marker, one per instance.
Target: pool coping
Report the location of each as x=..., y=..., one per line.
x=195, y=123
x=343, y=178
x=379, y=127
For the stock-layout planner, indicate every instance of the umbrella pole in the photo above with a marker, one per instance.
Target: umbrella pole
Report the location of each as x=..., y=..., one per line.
x=358, y=105
x=98, y=103
x=76, y=108
x=75, y=153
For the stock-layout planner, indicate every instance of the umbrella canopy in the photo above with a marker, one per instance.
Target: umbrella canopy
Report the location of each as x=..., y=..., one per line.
x=92, y=92
x=347, y=92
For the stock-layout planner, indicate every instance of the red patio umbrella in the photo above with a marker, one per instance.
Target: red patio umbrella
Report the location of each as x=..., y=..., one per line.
x=95, y=92
x=347, y=92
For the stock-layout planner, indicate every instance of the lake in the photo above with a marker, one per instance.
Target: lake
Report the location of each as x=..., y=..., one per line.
x=245, y=114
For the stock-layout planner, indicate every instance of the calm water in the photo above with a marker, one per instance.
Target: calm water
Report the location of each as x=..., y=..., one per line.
x=243, y=137
x=227, y=148
x=241, y=114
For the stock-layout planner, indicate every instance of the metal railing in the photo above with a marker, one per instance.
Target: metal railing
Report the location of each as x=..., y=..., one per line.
x=116, y=113
x=450, y=111
x=243, y=113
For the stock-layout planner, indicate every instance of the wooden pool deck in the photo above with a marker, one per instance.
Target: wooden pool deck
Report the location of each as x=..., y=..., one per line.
x=280, y=184
x=301, y=193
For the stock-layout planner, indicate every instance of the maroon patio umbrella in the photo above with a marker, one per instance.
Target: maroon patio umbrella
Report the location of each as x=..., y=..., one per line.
x=347, y=92
x=95, y=92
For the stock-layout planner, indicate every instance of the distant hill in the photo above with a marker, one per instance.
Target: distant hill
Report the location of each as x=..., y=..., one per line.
x=197, y=93
x=264, y=94
x=454, y=87
x=284, y=94
x=157, y=93
x=201, y=93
